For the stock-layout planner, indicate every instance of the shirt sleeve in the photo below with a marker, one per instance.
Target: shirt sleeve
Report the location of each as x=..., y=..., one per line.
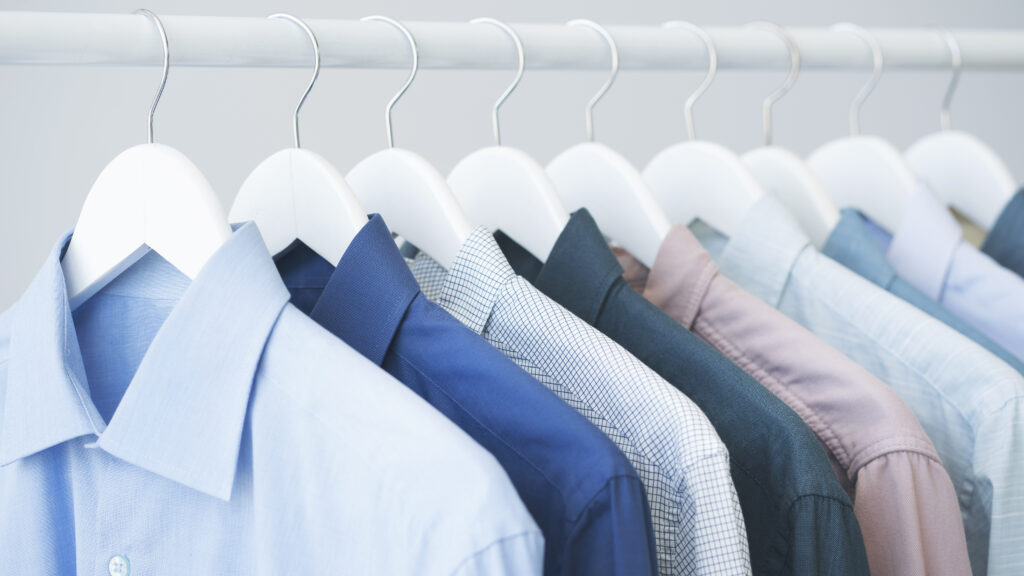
x=614, y=534
x=910, y=517
x=827, y=538
x=999, y=491
x=511, y=556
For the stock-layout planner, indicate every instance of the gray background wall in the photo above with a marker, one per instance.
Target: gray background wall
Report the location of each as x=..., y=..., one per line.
x=59, y=126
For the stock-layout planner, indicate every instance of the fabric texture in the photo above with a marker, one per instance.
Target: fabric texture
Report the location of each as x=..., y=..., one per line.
x=698, y=524
x=1005, y=241
x=927, y=250
x=208, y=427
x=903, y=497
x=579, y=487
x=799, y=519
x=969, y=402
x=860, y=245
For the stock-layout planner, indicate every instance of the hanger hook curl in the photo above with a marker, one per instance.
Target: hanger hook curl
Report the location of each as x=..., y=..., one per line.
x=794, y=73
x=316, y=66
x=957, y=62
x=412, y=75
x=520, y=67
x=611, y=78
x=878, y=66
x=712, y=51
x=167, y=67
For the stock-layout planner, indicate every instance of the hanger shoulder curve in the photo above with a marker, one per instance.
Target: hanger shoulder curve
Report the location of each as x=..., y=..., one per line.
x=866, y=173
x=147, y=197
x=504, y=188
x=593, y=176
x=700, y=179
x=414, y=199
x=296, y=194
x=785, y=175
x=965, y=173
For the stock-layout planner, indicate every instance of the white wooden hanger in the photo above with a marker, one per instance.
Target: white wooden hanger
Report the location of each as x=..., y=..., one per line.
x=783, y=173
x=960, y=169
x=594, y=176
x=865, y=172
x=411, y=194
x=296, y=194
x=504, y=188
x=700, y=179
x=150, y=197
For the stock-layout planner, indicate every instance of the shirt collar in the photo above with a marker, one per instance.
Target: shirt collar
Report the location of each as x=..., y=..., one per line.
x=368, y=293
x=476, y=279
x=860, y=245
x=681, y=276
x=183, y=413
x=580, y=270
x=761, y=255
x=922, y=248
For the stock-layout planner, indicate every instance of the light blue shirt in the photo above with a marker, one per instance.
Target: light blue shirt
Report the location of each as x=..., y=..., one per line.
x=927, y=250
x=169, y=427
x=969, y=402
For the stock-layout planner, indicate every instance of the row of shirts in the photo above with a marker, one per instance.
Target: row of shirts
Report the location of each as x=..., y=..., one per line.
x=747, y=405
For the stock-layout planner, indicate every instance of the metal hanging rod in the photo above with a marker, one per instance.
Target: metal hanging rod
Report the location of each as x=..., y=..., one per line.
x=46, y=38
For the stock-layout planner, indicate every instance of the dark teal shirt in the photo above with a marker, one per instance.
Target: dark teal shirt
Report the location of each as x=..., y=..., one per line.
x=1005, y=242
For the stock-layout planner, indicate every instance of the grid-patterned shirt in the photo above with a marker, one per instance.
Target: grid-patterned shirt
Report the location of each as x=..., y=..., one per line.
x=698, y=523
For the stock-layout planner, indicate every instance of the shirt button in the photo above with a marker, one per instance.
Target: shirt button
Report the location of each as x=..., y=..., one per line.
x=118, y=566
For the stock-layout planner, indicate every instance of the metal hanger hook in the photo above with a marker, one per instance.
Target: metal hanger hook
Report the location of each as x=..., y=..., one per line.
x=611, y=78
x=316, y=67
x=712, y=50
x=520, y=67
x=412, y=75
x=787, y=85
x=957, y=62
x=878, y=65
x=167, y=67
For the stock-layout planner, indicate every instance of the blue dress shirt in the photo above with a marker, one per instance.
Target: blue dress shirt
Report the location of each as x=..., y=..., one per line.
x=209, y=427
x=1005, y=241
x=969, y=402
x=580, y=488
x=928, y=252
x=860, y=245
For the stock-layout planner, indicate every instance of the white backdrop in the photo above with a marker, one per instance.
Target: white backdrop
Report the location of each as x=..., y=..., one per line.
x=60, y=125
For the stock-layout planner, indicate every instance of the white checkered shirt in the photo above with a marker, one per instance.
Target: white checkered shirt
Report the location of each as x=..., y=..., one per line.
x=698, y=524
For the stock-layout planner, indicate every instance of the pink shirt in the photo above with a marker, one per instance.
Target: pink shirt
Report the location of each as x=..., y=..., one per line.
x=903, y=497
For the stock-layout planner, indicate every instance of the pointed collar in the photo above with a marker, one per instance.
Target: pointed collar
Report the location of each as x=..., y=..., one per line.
x=681, y=276
x=761, y=255
x=580, y=270
x=922, y=249
x=183, y=412
x=474, y=283
x=368, y=293
x=860, y=245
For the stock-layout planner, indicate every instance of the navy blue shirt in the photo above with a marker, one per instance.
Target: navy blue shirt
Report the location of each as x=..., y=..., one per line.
x=799, y=519
x=1005, y=242
x=580, y=488
x=860, y=245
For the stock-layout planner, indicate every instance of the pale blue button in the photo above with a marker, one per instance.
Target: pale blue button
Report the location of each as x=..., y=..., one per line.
x=119, y=566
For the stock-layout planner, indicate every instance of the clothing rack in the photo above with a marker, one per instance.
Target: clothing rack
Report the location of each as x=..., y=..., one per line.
x=38, y=38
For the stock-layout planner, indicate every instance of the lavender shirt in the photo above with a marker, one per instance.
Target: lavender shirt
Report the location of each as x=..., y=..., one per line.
x=928, y=252
x=903, y=497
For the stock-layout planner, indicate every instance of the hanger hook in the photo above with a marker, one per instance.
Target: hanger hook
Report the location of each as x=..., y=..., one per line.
x=316, y=66
x=712, y=50
x=787, y=85
x=521, y=66
x=412, y=75
x=958, y=63
x=878, y=64
x=167, y=66
x=614, y=72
